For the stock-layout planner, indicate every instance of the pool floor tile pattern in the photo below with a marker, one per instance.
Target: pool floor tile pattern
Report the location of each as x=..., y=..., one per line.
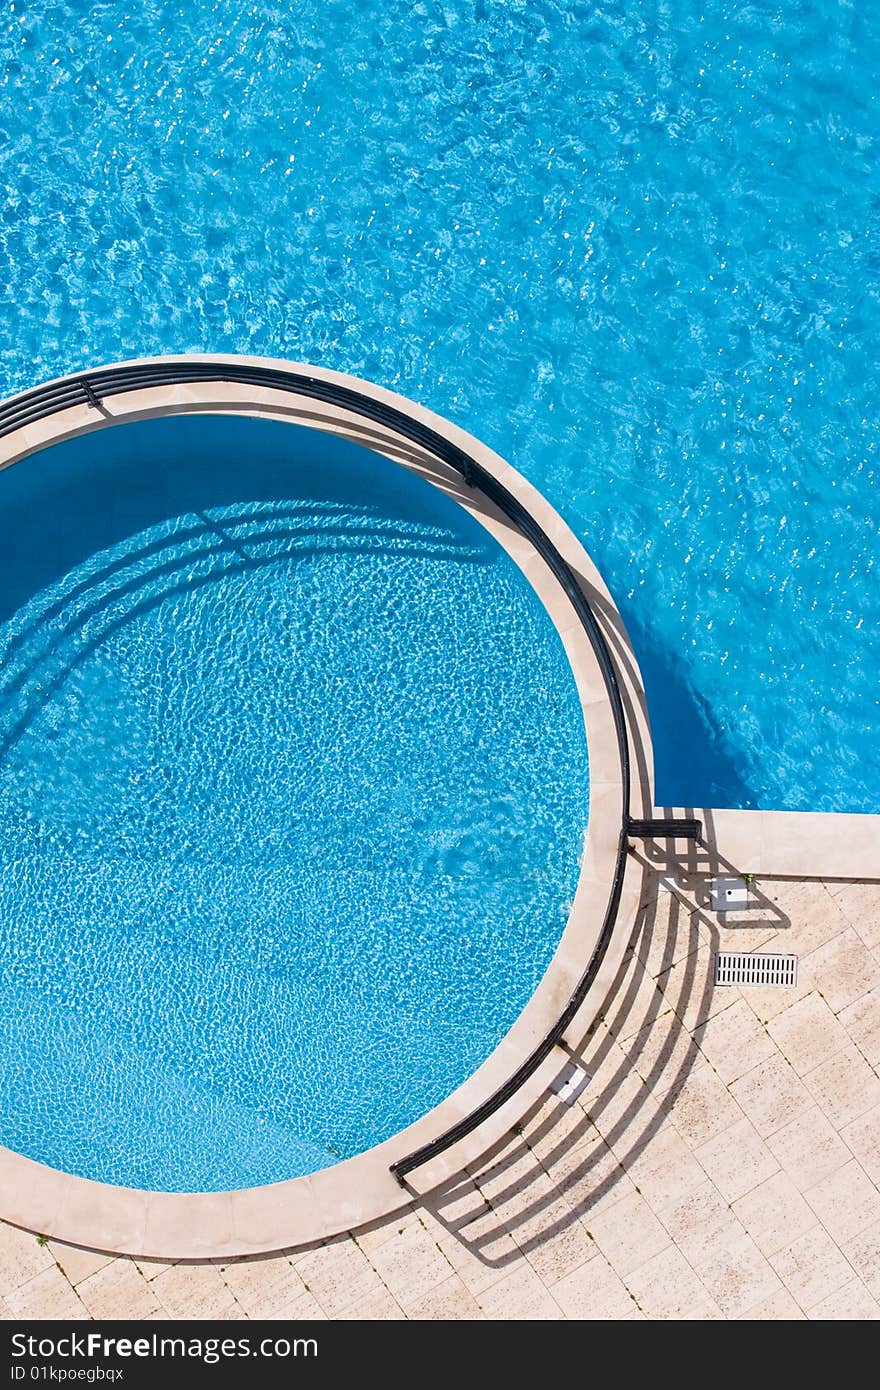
x=723, y=1163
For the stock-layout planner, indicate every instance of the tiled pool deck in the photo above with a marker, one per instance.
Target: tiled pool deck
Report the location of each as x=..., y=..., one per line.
x=724, y=1161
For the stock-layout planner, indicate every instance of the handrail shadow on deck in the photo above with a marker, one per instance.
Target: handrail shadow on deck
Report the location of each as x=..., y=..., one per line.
x=636, y=1012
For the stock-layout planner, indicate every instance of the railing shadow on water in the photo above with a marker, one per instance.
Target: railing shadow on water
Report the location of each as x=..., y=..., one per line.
x=562, y=1163
x=73, y=624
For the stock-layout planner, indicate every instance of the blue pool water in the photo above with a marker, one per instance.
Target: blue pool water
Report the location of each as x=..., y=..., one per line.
x=634, y=246
x=293, y=786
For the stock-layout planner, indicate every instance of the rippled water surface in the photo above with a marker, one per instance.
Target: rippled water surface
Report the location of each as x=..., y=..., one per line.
x=293, y=785
x=633, y=246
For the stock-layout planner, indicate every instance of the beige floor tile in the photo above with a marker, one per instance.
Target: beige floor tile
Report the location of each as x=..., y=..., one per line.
x=703, y=1107
x=337, y=1275
x=779, y=1307
x=519, y=1296
x=662, y=1184
x=194, y=1291
x=808, y=1033
x=637, y=1003
x=689, y=989
x=151, y=1269
x=481, y=1254
x=263, y=1287
x=302, y=1309
x=846, y=1203
x=450, y=1301
x=862, y=1022
x=46, y=1297
x=860, y=905
x=607, y=1065
x=515, y=1183
x=862, y=1136
x=557, y=1128
x=814, y=914
x=475, y=1271
x=852, y=1303
x=498, y=1168
x=21, y=1257
x=843, y=969
x=627, y=1108
x=775, y=1213
x=666, y=1287
x=863, y=1253
x=768, y=1003
x=558, y=1252
x=545, y=1217
x=628, y=1234
x=118, y=1291
x=589, y=1177
x=532, y=1207
x=844, y=1087
x=455, y=1205
x=654, y=1153
x=735, y=1272
x=737, y=1160
x=836, y=886
x=659, y=1146
x=663, y=1054
x=762, y=931
x=371, y=1238
x=592, y=1292
x=411, y=1265
x=376, y=1306
x=76, y=1262
x=772, y=1095
x=809, y=1149
x=734, y=1041
x=679, y=928
x=812, y=1267
x=477, y=1244
x=668, y=935
x=698, y=1222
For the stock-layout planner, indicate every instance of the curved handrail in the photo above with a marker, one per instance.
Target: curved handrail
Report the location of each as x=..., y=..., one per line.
x=89, y=388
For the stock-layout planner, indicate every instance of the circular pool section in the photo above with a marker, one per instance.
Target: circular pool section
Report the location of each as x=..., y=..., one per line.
x=293, y=790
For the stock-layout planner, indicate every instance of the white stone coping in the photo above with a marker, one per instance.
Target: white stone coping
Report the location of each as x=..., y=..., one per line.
x=794, y=844
x=361, y=1189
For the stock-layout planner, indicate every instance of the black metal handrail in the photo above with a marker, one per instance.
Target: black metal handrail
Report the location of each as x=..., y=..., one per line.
x=90, y=388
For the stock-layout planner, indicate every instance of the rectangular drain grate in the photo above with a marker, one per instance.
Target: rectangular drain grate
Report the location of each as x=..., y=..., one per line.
x=748, y=968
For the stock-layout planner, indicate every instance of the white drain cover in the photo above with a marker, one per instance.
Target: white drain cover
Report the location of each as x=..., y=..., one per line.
x=750, y=968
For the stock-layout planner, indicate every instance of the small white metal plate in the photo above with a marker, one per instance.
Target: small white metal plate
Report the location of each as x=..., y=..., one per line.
x=570, y=1082
x=752, y=968
x=729, y=894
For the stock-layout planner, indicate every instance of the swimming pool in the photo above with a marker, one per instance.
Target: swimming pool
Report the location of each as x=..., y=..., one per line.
x=631, y=247
x=294, y=787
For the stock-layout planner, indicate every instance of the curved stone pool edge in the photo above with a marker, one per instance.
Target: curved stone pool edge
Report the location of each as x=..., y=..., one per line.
x=355, y=1193
x=362, y=1189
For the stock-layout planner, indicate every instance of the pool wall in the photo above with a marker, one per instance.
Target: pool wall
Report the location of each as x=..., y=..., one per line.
x=362, y=1189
